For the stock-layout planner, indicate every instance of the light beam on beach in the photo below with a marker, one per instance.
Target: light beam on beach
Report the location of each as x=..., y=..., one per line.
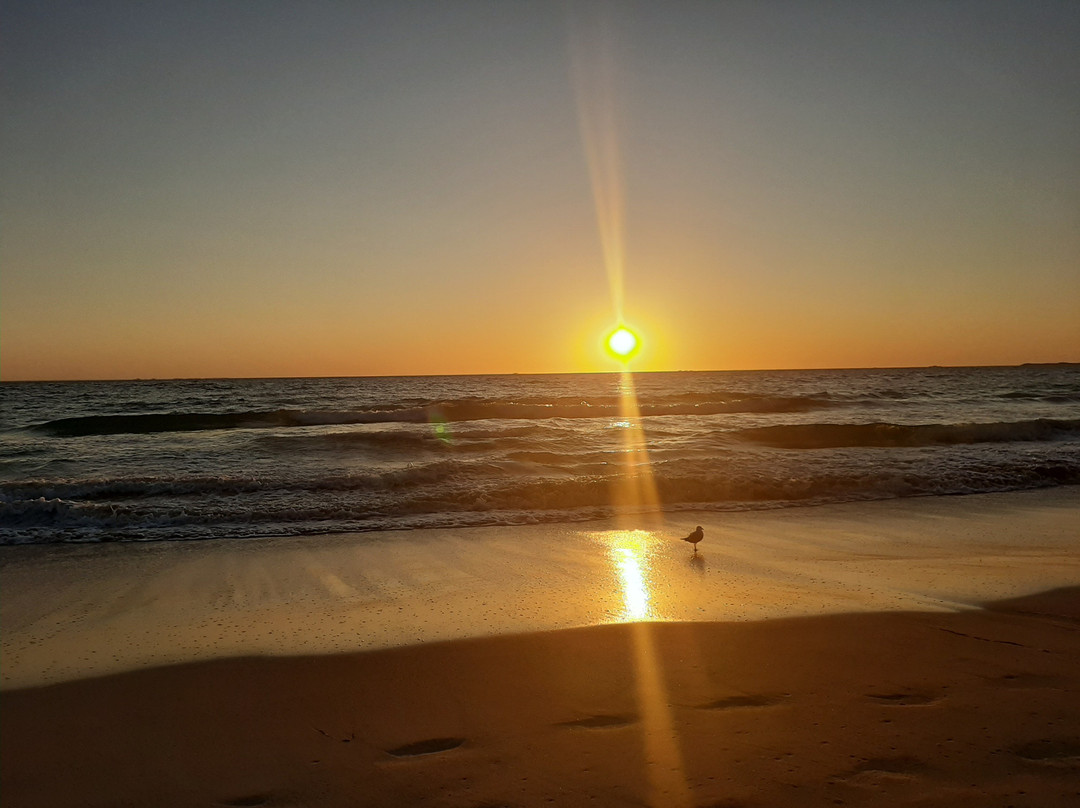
x=630, y=551
x=593, y=73
x=634, y=494
x=663, y=758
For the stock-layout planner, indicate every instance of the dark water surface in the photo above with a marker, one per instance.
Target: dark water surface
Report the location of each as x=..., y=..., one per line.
x=189, y=459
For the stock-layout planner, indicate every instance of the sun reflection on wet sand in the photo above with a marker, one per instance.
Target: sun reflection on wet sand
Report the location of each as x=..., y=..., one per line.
x=635, y=594
x=629, y=553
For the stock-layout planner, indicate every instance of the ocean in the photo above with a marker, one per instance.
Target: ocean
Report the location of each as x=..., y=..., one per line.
x=238, y=458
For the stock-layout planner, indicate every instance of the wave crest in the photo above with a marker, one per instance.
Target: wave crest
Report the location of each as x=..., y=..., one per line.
x=452, y=411
x=836, y=436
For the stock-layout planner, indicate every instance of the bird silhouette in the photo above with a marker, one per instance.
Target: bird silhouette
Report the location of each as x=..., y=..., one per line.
x=695, y=537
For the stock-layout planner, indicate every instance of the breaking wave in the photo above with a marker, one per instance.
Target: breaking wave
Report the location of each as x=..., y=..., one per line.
x=89, y=462
x=453, y=411
x=453, y=492
x=835, y=436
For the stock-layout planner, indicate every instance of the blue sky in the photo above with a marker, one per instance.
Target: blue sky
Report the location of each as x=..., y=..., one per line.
x=249, y=189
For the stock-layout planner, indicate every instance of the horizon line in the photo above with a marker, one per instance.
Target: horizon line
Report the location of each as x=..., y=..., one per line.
x=529, y=373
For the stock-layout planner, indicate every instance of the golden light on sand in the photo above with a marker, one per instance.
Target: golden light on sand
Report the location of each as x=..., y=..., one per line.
x=622, y=343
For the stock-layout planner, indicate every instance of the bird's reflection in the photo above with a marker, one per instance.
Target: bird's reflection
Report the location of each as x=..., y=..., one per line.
x=697, y=563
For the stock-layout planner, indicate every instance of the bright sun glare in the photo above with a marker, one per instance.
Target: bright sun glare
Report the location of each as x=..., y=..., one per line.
x=622, y=343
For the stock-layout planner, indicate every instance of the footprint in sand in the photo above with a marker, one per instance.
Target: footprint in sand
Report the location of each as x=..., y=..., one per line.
x=905, y=698
x=881, y=771
x=735, y=702
x=1030, y=681
x=599, y=722
x=1060, y=752
x=252, y=801
x=431, y=746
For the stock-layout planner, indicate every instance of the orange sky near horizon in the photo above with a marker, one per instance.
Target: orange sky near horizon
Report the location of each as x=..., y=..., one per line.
x=263, y=189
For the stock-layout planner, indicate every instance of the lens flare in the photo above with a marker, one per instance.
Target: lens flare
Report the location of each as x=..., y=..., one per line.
x=634, y=493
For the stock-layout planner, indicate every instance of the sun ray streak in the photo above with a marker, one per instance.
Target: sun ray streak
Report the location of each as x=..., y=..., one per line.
x=634, y=495
x=593, y=68
x=636, y=488
x=663, y=758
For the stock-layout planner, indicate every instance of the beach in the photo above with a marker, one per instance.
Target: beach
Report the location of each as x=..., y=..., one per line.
x=908, y=652
x=505, y=405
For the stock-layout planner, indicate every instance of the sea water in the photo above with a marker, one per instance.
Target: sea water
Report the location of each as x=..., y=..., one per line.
x=217, y=458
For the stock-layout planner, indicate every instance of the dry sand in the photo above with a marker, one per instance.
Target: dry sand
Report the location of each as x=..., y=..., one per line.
x=875, y=680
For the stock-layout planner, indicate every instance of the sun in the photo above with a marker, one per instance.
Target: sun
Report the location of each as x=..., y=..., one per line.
x=622, y=343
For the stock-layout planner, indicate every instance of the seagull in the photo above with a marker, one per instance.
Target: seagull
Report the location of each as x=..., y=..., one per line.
x=695, y=537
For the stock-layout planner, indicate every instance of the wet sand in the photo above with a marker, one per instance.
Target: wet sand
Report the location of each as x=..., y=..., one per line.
x=817, y=656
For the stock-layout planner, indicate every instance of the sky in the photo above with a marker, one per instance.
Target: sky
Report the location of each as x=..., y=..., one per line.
x=208, y=189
